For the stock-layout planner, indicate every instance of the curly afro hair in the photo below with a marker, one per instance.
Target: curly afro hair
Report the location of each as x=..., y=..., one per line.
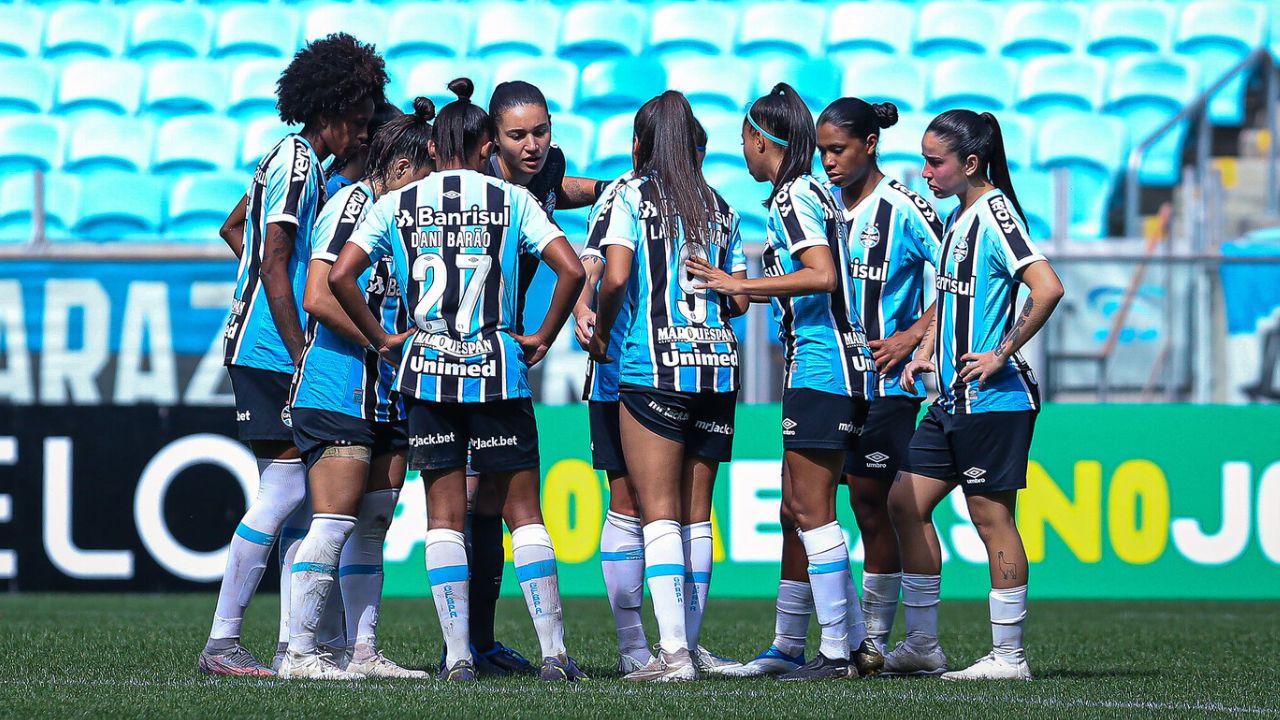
x=328, y=77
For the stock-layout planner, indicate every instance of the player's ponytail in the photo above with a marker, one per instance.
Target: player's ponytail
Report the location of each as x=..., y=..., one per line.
x=783, y=119
x=967, y=133
x=406, y=136
x=859, y=118
x=666, y=135
x=461, y=127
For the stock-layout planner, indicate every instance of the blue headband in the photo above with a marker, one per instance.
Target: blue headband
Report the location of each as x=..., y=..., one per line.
x=762, y=131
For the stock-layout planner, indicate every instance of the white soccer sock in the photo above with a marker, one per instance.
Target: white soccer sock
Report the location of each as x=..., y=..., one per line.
x=829, y=580
x=795, y=605
x=535, y=561
x=450, y=580
x=920, y=608
x=291, y=535
x=880, y=603
x=280, y=491
x=1008, y=610
x=314, y=569
x=698, y=550
x=331, y=631
x=857, y=623
x=360, y=571
x=622, y=562
x=664, y=572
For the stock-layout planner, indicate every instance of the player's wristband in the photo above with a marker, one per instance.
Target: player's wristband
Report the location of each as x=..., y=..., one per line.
x=600, y=186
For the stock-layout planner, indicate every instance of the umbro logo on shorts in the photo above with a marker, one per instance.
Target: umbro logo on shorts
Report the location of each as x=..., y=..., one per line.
x=789, y=426
x=976, y=475
x=876, y=460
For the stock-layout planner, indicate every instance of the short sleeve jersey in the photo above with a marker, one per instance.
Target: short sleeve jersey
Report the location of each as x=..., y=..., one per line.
x=602, y=379
x=983, y=251
x=287, y=188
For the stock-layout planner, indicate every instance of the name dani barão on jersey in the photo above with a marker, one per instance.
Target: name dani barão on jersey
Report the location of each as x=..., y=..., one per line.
x=452, y=228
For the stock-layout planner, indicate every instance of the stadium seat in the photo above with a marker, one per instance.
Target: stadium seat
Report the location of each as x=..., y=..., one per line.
x=17, y=205
x=780, y=29
x=886, y=78
x=945, y=28
x=504, y=29
x=901, y=143
x=98, y=144
x=1122, y=27
x=712, y=83
x=612, y=156
x=430, y=78
x=253, y=87
x=724, y=138
x=183, y=87
x=428, y=30
x=1091, y=149
x=1032, y=29
x=746, y=196
x=30, y=142
x=1018, y=132
x=621, y=85
x=1147, y=90
x=859, y=28
x=817, y=81
x=1218, y=35
x=28, y=86
x=365, y=22
x=1057, y=82
x=196, y=143
x=21, y=28
x=94, y=85
x=979, y=83
x=199, y=203
x=576, y=137
x=170, y=31
x=259, y=137
x=256, y=31
x=118, y=206
x=692, y=28
x=597, y=30
x=557, y=79
x=81, y=30
x=1034, y=188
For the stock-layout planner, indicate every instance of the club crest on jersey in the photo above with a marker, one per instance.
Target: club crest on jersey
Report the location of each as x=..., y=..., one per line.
x=870, y=236
x=286, y=416
x=960, y=251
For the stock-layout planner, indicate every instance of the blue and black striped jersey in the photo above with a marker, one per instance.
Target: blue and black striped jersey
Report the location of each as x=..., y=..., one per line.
x=602, y=380
x=983, y=251
x=287, y=187
x=454, y=239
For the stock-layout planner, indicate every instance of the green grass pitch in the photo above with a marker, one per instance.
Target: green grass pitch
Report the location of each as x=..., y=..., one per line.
x=134, y=655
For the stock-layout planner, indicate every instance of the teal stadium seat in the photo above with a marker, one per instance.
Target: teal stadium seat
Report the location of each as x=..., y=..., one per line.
x=31, y=142
x=430, y=78
x=1034, y=188
x=504, y=30
x=780, y=29
x=106, y=144
x=620, y=85
x=724, y=139
x=21, y=28
x=817, y=81
x=28, y=86
x=886, y=78
x=164, y=31
x=692, y=28
x=945, y=28
x=860, y=28
x=198, y=204
x=900, y=144
x=597, y=30
x=981, y=83
x=17, y=205
x=252, y=87
x=259, y=137
x=712, y=83
x=428, y=30
x=1019, y=133
x=557, y=79
x=120, y=206
x=1091, y=149
x=80, y=30
x=196, y=143
x=367, y=23
x=184, y=87
x=243, y=31
x=1053, y=83
x=1032, y=29
x=1219, y=34
x=747, y=197
x=1123, y=27
x=1145, y=92
x=99, y=86
x=576, y=137
x=612, y=156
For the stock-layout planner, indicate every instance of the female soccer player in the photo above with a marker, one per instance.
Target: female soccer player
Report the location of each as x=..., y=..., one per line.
x=348, y=424
x=454, y=238
x=828, y=366
x=352, y=168
x=678, y=378
x=330, y=88
x=978, y=432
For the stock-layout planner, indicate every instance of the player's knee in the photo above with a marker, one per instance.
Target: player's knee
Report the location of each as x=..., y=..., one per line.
x=902, y=506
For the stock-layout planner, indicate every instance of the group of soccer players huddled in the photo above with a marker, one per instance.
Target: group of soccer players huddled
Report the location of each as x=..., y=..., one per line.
x=377, y=327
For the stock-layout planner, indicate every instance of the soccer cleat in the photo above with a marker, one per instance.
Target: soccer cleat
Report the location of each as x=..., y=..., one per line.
x=461, y=671
x=769, y=663
x=561, y=668
x=820, y=668
x=235, y=662
x=376, y=665
x=866, y=661
x=994, y=667
x=906, y=659
x=628, y=663
x=341, y=654
x=278, y=659
x=712, y=664
x=318, y=665
x=502, y=660
x=666, y=667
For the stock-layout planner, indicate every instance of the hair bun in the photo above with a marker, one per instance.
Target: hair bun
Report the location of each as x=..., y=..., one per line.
x=886, y=114
x=463, y=88
x=424, y=109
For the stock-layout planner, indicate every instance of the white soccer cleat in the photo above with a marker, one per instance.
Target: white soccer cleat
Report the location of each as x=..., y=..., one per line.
x=712, y=664
x=628, y=664
x=994, y=667
x=313, y=666
x=376, y=665
x=667, y=667
x=906, y=659
x=341, y=655
x=770, y=663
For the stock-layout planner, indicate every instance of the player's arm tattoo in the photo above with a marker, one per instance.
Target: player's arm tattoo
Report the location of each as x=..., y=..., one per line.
x=576, y=192
x=1046, y=291
x=924, y=350
x=1012, y=338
